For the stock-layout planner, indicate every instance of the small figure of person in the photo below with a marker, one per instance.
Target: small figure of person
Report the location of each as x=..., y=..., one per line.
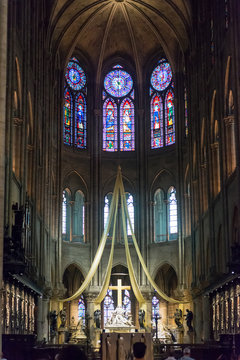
x=139, y=350
x=178, y=318
x=141, y=318
x=189, y=318
x=186, y=354
x=97, y=318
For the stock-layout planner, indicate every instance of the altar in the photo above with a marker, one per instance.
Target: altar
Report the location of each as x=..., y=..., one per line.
x=118, y=346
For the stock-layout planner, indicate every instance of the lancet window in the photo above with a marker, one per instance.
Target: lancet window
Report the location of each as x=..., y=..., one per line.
x=165, y=215
x=75, y=106
x=108, y=306
x=118, y=111
x=127, y=301
x=119, y=226
x=81, y=309
x=73, y=216
x=155, y=307
x=162, y=106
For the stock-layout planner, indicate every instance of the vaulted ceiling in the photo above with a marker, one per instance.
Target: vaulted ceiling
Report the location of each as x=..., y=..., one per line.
x=134, y=29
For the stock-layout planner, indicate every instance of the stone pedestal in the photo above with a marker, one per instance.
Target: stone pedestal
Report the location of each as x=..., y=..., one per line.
x=62, y=336
x=190, y=337
x=179, y=335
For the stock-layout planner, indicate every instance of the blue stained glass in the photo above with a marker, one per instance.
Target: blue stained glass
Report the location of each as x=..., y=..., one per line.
x=80, y=122
x=161, y=76
x=118, y=83
x=169, y=119
x=110, y=125
x=127, y=142
x=156, y=122
x=75, y=76
x=108, y=306
x=67, y=118
x=117, y=67
x=81, y=309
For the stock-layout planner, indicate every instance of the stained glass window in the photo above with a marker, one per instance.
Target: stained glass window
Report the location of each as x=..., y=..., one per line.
x=157, y=121
x=127, y=125
x=118, y=111
x=110, y=126
x=161, y=76
x=118, y=83
x=67, y=118
x=162, y=106
x=169, y=119
x=75, y=75
x=127, y=302
x=81, y=309
x=108, y=306
x=155, y=307
x=186, y=111
x=75, y=107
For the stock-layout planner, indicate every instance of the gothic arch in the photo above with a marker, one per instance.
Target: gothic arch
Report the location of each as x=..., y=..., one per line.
x=163, y=179
x=75, y=182
x=73, y=277
x=166, y=278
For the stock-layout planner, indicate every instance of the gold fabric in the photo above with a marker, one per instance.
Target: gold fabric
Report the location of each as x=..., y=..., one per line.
x=118, y=188
x=101, y=247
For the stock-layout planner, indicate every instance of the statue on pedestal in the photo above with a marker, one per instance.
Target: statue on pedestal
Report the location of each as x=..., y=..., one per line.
x=53, y=322
x=63, y=317
x=141, y=318
x=97, y=318
x=178, y=318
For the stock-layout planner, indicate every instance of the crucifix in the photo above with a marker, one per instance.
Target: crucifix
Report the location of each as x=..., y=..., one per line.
x=119, y=289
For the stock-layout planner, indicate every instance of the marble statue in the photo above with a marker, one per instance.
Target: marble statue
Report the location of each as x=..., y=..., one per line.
x=119, y=318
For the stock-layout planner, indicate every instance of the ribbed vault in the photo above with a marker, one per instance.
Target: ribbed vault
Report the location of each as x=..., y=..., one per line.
x=135, y=29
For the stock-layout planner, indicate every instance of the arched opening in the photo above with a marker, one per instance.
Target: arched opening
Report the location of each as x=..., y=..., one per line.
x=72, y=280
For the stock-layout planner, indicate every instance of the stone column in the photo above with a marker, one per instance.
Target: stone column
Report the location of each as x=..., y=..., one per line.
x=198, y=319
x=91, y=331
x=206, y=318
x=3, y=77
x=42, y=319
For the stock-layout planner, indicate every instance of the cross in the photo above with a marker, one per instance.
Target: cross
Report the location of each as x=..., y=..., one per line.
x=119, y=289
